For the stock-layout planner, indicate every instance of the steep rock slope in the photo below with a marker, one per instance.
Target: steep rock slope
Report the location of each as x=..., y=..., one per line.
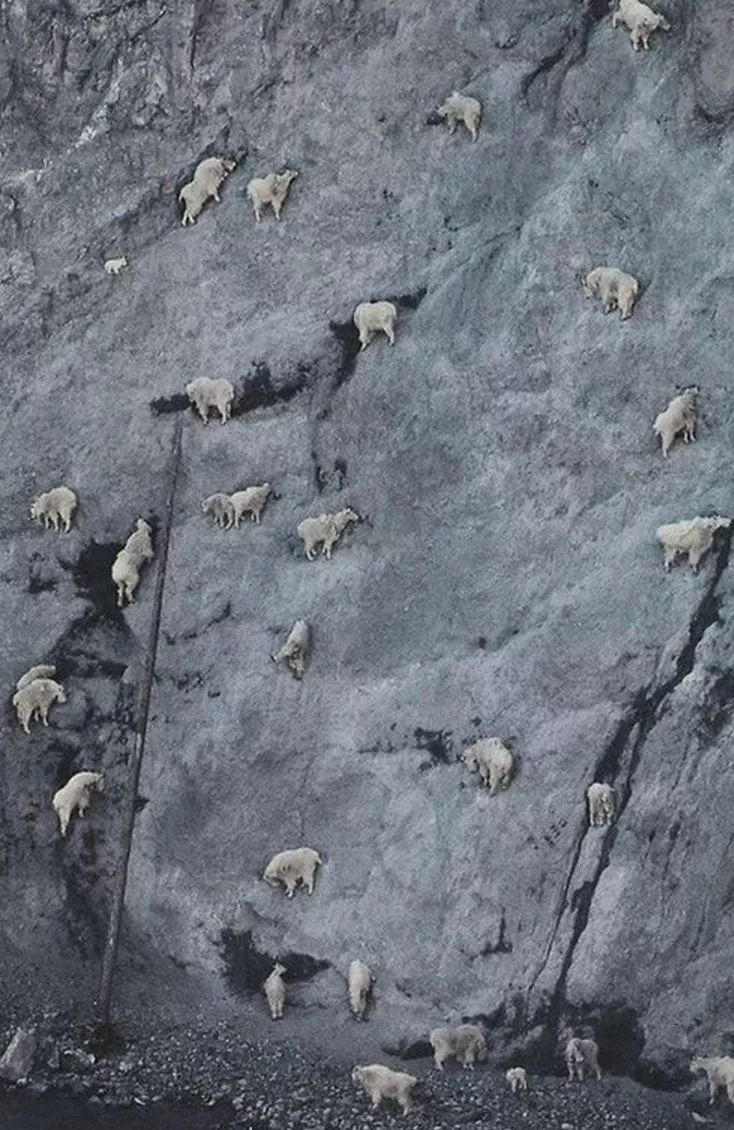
x=506, y=578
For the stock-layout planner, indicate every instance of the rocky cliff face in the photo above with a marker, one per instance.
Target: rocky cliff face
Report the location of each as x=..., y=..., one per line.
x=506, y=578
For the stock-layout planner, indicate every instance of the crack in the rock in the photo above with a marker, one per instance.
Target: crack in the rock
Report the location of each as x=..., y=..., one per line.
x=571, y=50
x=642, y=716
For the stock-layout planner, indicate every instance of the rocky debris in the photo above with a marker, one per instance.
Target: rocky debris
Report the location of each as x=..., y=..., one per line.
x=16, y=1062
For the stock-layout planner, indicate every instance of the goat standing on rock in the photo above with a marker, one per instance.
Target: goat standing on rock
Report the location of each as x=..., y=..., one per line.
x=679, y=418
x=34, y=700
x=616, y=289
x=694, y=537
x=274, y=989
x=641, y=21
x=207, y=178
x=602, y=801
x=291, y=867
x=360, y=980
x=295, y=651
x=127, y=565
x=462, y=108
x=326, y=529
x=211, y=392
x=272, y=189
x=381, y=1082
x=465, y=1044
x=55, y=506
x=76, y=794
x=372, y=318
x=582, y=1055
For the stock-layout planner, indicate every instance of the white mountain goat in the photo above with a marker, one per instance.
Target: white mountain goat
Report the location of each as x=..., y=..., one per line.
x=360, y=980
x=207, y=178
x=40, y=671
x=76, y=794
x=274, y=989
x=297, y=865
x=719, y=1072
x=55, y=506
x=295, y=651
x=493, y=760
x=380, y=1083
x=694, y=537
x=582, y=1055
x=517, y=1077
x=616, y=289
x=211, y=392
x=602, y=801
x=679, y=418
x=465, y=1043
x=640, y=20
x=461, y=108
x=326, y=529
x=221, y=509
x=114, y=266
x=34, y=700
x=372, y=318
x=271, y=189
x=250, y=501
x=137, y=550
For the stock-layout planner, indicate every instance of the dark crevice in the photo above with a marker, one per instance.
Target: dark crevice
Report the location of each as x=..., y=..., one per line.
x=635, y=728
x=502, y=945
x=718, y=704
x=572, y=49
x=255, y=391
x=409, y=1049
x=437, y=743
x=258, y=390
x=246, y=967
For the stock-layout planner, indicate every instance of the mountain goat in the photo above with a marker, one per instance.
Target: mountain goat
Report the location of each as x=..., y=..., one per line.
x=114, y=266
x=360, y=980
x=129, y=561
x=272, y=189
x=678, y=418
x=602, y=801
x=493, y=760
x=274, y=989
x=616, y=289
x=640, y=20
x=250, y=501
x=54, y=506
x=380, y=1083
x=34, y=700
x=221, y=509
x=327, y=528
x=462, y=108
x=295, y=651
x=580, y=1055
x=76, y=794
x=694, y=537
x=207, y=178
x=40, y=671
x=719, y=1072
x=465, y=1044
x=211, y=392
x=372, y=318
x=517, y=1077
x=297, y=865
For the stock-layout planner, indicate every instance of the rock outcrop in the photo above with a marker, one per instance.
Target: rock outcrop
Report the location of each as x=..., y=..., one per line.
x=505, y=579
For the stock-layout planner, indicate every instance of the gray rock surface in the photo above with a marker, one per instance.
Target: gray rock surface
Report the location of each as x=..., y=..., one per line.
x=16, y=1061
x=505, y=579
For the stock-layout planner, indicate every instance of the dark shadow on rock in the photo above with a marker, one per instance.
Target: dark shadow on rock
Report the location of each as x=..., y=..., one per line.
x=246, y=967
